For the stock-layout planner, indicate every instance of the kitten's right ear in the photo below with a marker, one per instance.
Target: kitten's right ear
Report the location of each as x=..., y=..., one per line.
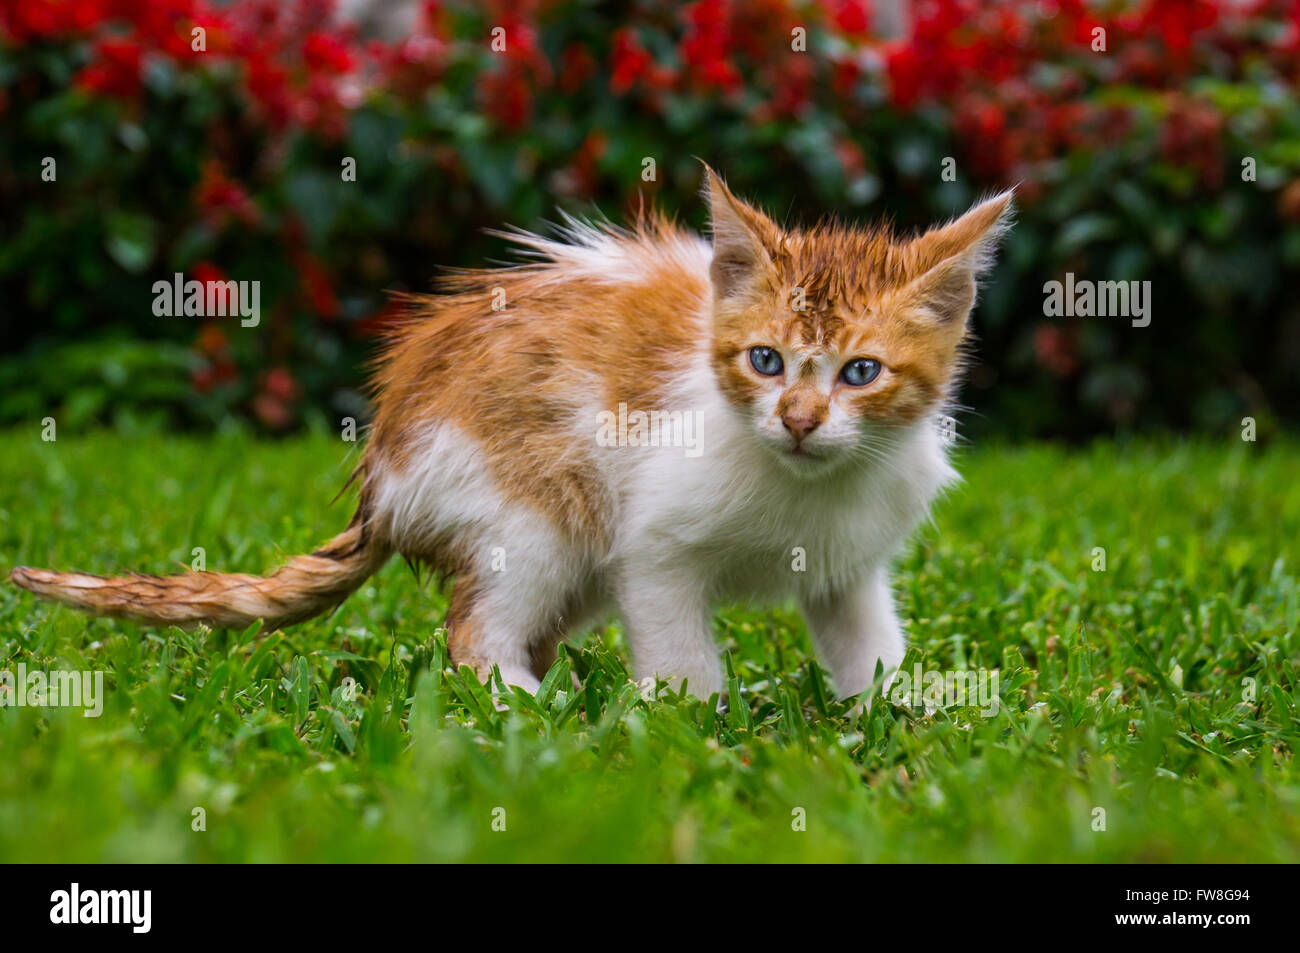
x=741, y=263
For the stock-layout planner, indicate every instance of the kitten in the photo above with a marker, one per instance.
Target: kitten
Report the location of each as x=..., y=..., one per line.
x=782, y=387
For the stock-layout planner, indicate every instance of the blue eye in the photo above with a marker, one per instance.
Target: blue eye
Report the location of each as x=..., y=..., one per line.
x=766, y=361
x=860, y=372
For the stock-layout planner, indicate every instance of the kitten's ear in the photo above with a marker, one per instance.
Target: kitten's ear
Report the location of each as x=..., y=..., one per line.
x=740, y=259
x=947, y=262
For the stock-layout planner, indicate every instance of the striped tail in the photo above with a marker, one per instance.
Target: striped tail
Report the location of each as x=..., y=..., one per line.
x=306, y=586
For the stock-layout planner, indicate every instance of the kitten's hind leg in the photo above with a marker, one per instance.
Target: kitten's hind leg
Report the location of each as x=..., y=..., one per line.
x=854, y=629
x=586, y=608
x=479, y=637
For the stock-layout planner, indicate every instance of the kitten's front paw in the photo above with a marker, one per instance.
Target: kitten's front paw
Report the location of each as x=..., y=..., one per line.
x=513, y=677
x=702, y=686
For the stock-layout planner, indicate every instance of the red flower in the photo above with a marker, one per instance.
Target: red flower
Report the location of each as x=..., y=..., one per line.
x=844, y=78
x=906, y=75
x=707, y=46
x=115, y=71
x=1192, y=137
x=630, y=61
x=205, y=271
x=316, y=283
x=577, y=65
x=506, y=97
x=412, y=66
x=1177, y=20
x=327, y=53
x=268, y=84
x=221, y=197
x=279, y=382
x=792, y=88
x=852, y=17
x=27, y=20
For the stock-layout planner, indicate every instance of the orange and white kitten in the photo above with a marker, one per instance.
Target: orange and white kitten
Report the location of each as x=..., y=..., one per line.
x=643, y=422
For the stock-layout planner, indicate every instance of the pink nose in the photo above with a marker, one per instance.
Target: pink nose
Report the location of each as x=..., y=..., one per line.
x=801, y=425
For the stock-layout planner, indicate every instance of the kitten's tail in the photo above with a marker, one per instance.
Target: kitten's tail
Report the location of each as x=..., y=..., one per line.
x=304, y=587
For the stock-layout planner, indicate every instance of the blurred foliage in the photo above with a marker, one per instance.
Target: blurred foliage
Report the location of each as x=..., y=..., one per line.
x=228, y=162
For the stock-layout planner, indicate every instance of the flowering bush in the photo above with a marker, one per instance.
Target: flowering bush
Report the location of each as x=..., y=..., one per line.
x=1156, y=141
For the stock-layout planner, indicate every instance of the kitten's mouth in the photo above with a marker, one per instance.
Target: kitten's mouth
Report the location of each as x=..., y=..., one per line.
x=801, y=451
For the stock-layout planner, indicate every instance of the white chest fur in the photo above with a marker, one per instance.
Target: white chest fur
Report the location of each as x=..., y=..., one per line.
x=756, y=531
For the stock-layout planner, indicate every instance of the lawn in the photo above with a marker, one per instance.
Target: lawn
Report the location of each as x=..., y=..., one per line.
x=1148, y=709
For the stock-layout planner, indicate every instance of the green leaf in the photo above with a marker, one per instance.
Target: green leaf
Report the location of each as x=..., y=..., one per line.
x=131, y=240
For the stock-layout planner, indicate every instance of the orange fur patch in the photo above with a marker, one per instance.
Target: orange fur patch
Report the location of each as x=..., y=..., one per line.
x=514, y=379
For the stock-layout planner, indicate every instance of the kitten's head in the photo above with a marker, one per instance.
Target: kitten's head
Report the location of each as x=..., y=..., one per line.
x=829, y=339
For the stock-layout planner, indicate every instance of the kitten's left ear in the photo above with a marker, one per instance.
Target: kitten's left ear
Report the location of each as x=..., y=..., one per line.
x=947, y=262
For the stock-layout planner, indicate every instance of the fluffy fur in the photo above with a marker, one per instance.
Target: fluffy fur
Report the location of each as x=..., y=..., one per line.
x=484, y=460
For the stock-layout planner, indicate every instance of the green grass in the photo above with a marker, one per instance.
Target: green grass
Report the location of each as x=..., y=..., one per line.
x=1122, y=690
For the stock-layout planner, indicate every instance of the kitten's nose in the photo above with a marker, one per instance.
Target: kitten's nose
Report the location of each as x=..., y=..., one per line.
x=801, y=425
